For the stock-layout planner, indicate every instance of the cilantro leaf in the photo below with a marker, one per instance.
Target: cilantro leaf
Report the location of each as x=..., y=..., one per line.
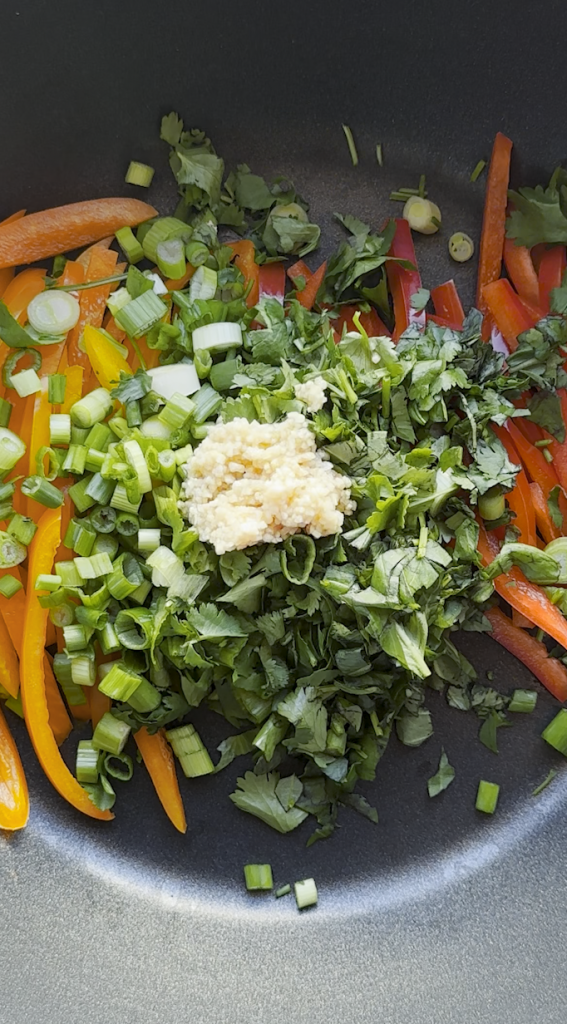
x=414, y=729
x=537, y=215
x=545, y=408
x=257, y=795
x=171, y=128
x=443, y=776
x=488, y=729
x=214, y=624
x=554, y=508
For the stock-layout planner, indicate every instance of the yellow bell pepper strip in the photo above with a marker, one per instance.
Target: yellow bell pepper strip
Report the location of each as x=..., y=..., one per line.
x=105, y=359
x=12, y=610
x=158, y=759
x=74, y=387
x=39, y=439
x=41, y=553
x=9, y=664
x=14, y=798
x=61, y=724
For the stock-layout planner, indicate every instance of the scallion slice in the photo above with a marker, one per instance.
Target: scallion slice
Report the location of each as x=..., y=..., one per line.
x=176, y=411
x=156, y=430
x=75, y=458
x=207, y=402
x=104, y=544
x=121, y=501
x=125, y=577
x=258, y=877
x=103, y=520
x=130, y=245
x=99, y=489
x=523, y=701
x=219, y=337
x=9, y=586
x=189, y=748
x=120, y=683
x=148, y=541
x=83, y=669
x=170, y=257
x=119, y=766
x=47, y=581
x=53, y=312
x=305, y=893
x=56, y=387
x=94, y=566
x=109, y=642
x=22, y=529
x=59, y=428
x=140, y=315
x=111, y=733
x=136, y=460
x=203, y=284
x=196, y=253
x=487, y=796
x=145, y=698
x=94, y=460
x=11, y=450
x=139, y=174
x=25, y=383
x=87, y=762
x=161, y=230
x=69, y=573
x=99, y=437
x=5, y=412
x=80, y=536
x=91, y=409
x=556, y=732
x=78, y=494
x=42, y=491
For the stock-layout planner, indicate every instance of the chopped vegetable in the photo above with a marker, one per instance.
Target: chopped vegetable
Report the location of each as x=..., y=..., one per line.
x=14, y=800
x=556, y=732
x=258, y=877
x=305, y=893
x=422, y=215
x=139, y=174
x=351, y=144
x=461, y=247
x=487, y=797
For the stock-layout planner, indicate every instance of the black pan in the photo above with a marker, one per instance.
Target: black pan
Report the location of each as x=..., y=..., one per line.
x=433, y=915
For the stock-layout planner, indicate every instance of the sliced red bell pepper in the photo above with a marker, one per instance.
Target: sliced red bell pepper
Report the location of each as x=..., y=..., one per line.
x=245, y=261
x=299, y=269
x=551, y=270
x=536, y=252
x=447, y=303
x=539, y=470
x=545, y=524
x=442, y=321
x=531, y=652
x=558, y=450
x=508, y=311
x=533, y=311
x=308, y=295
x=370, y=322
x=494, y=220
x=525, y=597
x=521, y=271
x=402, y=283
x=272, y=281
x=519, y=498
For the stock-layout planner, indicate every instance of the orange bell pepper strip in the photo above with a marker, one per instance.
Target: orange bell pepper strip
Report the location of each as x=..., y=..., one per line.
x=9, y=664
x=41, y=553
x=105, y=359
x=22, y=290
x=64, y=228
x=12, y=609
x=508, y=311
x=85, y=257
x=73, y=273
x=61, y=724
x=520, y=620
x=73, y=388
x=158, y=759
x=98, y=704
x=494, y=220
x=245, y=253
x=299, y=269
x=519, y=498
x=525, y=597
x=531, y=652
x=14, y=798
x=6, y=276
x=176, y=284
x=13, y=217
x=308, y=295
x=92, y=302
x=545, y=524
x=550, y=274
x=521, y=271
x=39, y=438
x=447, y=303
x=402, y=283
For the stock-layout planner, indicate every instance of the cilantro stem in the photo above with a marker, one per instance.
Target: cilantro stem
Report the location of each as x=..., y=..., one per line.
x=386, y=389
x=351, y=145
x=478, y=170
x=86, y=284
x=379, y=154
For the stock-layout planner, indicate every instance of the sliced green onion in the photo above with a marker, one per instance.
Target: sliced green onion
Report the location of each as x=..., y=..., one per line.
x=156, y=430
x=258, y=877
x=14, y=358
x=121, y=502
x=56, y=387
x=556, y=732
x=80, y=536
x=79, y=434
x=178, y=378
x=203, y=284
x=62, y=668
x=422, y=215
x=11, y=449
x=148, y=540
x=218, y=337
x=69, y=574
x=127, y=524
x=461, y=247
x=78, y=494
x=145, y=698
x=140, y=315
x=170, y=258
x=124, y=770
x=91, y=409
x=166, y=567
x=136, y=460
x=104, y=544
x=7, y=489
x=139, y=174
x=120, y=683
x=5, y=412
x=478, y=170
x=53, y=312
x=176, y=412
x=92, y=618
x=9, y=586
x=110, y=734
x=103, y=520
x=161, y=230
x=22, y=529
x=55, y=459
x=49, y=582
x=99, y=437
x=189, y=748
x=75, y=459
x=83, y=670
x=152, y=461
x=207, y=402
x=284, y=890
x=305, y=893
x=130, y=245
x=87, y=762
x=196, y=253
x=167, y=465
x=118, y=426
x=547, y=455
x=99, y=489
x=125, y=577
x=94, y=460
x=118, y=300
x=487, y=796
x=76, y=637
x=133, y=414
x=523, y=701
x=109, y=642
x=59, y=428
x=42, y=491
x=134, y=628
x=98, y=599
x=25, y=383
x=62, y=614
x=140, y=593
x=94, y=566
x=351, y=144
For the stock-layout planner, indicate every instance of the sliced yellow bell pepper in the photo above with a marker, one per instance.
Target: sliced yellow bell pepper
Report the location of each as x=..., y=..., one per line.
x=106, y=361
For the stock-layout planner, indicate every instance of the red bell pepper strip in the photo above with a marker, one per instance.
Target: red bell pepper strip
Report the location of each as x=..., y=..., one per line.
x=533, y=311
x=308, y=295
x=508, y=311
x=525, y=597
x=271, y=283
x=370, y=322
x=521, y=271
x=519, y=498
x=531, y=652
x=41, y=554
x=536, y=252
x=402, y=283
x=158, y=759
x=545, y=524
x=299, y=269
x=494, y=220
x=532, y=431
x=442, y=321
x=14, y=798
x=551, y=270
x=538, y=468
x=559, y=450
x=246, y=263
x=447, y=303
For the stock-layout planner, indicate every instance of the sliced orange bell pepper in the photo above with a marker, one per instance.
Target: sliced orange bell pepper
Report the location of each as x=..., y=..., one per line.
x=98, y=704
x=550, y=274
x=14, y=798
x=61, y=724
x=22, y=290
x=447, y=303
x=105, y=359
x=41, y=555
x=85, y=257
x=308, y=295
x=12, y=610
x=494, y=220
x=245, y=253
x=13, y=217
x=525, y=597
x=6, y=276
x=299, y=269
x=73, y=388
x=92, y=301
x=531, y=652
x=521, y=271
x=9, y=664
x=402, y=283
x=158, y=759
x=508, y=311
x=176, y=284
